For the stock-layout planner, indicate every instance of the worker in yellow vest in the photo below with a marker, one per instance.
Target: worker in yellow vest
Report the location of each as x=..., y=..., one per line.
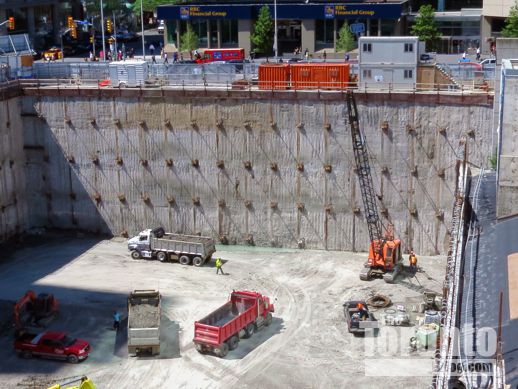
x=413, y=261
x=219, y=265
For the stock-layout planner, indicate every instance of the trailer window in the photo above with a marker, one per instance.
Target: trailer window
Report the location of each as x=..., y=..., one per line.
x=143, y=237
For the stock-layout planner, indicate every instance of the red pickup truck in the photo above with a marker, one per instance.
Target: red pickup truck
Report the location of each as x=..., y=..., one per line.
x=240, y=317
x=50, y=344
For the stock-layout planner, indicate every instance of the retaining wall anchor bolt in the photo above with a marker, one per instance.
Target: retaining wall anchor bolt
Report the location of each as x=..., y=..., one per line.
x=300, y=167
x=72, y=195
x=169, y=162
x=67, y=120
x=385, y=126
x=92, y=122
x=301, y=207
x=71, y=159
x=440, y=214
x=441, y=172
x=220, y=164
x=327, y=126
x=223, y=239
x=301, y=243
x=356, y=210
x=144, y=162
x=384, y=211
x=471, y=133
x=196, y=201
x=247, y=125
x=117, y=122
x=274, y=166
x=300, y=125
x=219, y=123
x=124, y=233
x=274, y=205
x=248, y=165
x=122, y=197
x=328, y=168
x=11, y=163
x=142, y=123
x=222, y=203
x=384, y=169
x=145, y=197
x=119, y=161
x=167, y=123
x=97, y=197
x=194, y=124
x=442, y=130
x=413, y=211
x=8, y=123
x=414, y=171
x=328, y=208
x=195, y=163
x=273, y=124
x=95, y=160
x=250, y=239
x=2, y=208
x=171, y=200
x=410, y=129
x=248, y=203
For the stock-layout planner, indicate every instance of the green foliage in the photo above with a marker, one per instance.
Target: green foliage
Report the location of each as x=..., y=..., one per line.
x=189, y=40
x=345, y=41
x=262, y=38
x=149, y=5
x=510, y=29
x=425, y=27
x=493, y=160
x=94, y=6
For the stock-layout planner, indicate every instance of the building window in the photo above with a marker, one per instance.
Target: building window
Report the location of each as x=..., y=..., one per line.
x=324, y=33
x=408, y=74
x=367, y=47
x=409, y=47
x=229, y=33
x=367, y=73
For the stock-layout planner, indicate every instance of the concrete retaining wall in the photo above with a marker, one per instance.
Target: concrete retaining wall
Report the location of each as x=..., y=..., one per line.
x=276, y=201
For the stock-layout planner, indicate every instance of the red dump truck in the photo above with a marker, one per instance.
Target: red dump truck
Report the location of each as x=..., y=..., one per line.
x=240, y=317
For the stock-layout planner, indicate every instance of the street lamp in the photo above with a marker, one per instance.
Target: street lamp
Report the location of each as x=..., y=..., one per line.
x=275, y=48
x=142, y=26
x=102, y=32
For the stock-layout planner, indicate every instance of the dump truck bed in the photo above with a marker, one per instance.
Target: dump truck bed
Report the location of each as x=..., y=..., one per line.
x=144, y=321
x=192, y=245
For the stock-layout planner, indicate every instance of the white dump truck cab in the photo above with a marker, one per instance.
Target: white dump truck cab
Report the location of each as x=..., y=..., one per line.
x=140, y=246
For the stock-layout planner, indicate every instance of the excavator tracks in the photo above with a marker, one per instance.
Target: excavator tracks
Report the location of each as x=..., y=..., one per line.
x=366, y=274
x=390, y=276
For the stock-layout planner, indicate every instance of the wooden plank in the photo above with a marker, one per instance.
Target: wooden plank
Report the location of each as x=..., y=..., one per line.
x=512, y=266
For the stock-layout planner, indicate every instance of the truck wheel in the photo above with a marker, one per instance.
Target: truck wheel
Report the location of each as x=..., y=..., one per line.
x=161, y=256
x=72, y=358
x=268, y=319
x=249, y=330
x=135, y=254
x=233, y=342
x=222, y=350
x=197, y=261
x=185, y=260
x=26, y=354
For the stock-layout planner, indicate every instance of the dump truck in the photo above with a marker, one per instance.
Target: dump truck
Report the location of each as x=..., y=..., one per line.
x=355, y=323
x=144, y=322
x=240, y=317
x=187, y=249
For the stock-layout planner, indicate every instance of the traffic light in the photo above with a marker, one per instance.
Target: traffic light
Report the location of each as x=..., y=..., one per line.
x=91, y=39
x=70, y=22
x=73, y=32
x=109, y=25
x=11, y=22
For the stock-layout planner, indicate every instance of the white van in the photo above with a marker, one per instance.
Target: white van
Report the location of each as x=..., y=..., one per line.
x=161, y=27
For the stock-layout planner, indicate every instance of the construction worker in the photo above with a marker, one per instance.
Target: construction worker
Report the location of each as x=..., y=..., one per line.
x=362, y=312
x=219, y=265
x=413, y=261
x=116, y=320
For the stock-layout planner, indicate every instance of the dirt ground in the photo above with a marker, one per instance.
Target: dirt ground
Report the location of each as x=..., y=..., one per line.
x=307, y=345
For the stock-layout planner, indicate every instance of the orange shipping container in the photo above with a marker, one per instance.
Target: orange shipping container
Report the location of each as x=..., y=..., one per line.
x=274, y=76
x=320, y=75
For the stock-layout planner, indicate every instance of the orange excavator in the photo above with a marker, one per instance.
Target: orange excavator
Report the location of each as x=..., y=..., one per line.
x=32, y=308
x=385, y=257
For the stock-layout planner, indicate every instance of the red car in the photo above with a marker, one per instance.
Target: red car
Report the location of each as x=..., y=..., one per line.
x=470, y=65
x=52, y=344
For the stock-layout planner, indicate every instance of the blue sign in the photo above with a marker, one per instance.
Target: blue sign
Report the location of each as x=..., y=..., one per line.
x=329, y=11
x=357, y=28
x=184, y=13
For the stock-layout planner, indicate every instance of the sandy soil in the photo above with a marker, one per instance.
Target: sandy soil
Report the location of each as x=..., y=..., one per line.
x=307, y=345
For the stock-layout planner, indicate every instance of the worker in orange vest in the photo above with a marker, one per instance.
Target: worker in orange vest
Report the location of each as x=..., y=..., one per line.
x=413, y=261
x=362, y=311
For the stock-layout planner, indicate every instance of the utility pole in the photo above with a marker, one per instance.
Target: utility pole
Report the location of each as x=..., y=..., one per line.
x=275, y=28
x=93, y=38
x=102, y=31
x=115, y=33
x=142, y=25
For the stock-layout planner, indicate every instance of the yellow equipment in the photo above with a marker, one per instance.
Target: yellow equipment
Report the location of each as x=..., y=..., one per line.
x=85, y=383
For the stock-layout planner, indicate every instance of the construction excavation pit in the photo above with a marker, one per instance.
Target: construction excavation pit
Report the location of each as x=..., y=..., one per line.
x=306, y=345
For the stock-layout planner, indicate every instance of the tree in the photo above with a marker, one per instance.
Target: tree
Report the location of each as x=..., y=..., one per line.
x=345, y=41
x=425, y=27
x=94, y=7
x=510, y=29
x=262, y=38
x=189, y=40
x=149, y=5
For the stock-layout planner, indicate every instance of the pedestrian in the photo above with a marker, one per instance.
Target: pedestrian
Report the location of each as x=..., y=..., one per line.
x=151, y=49
x=362, y=312
x=413, y=261
x=119, y=55
x=91, y=56
x=464, y=55
x=116, y=320
x=325, y=56
x=347, y=57
x=181, y=56
x=252, y=54
x=153, y=59
x=306, y=55
x=165, y=57
x=478, y=53
x=219, y=267
x=175, y=56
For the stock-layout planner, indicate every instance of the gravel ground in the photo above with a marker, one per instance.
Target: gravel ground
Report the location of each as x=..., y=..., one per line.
x=307, y=345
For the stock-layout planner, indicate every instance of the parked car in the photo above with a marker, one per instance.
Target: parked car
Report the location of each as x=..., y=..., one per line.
x=52, y=344
x=52, y=54
x=426, y=57
x=161, y=27
x=488, y=61
x=470, y=65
